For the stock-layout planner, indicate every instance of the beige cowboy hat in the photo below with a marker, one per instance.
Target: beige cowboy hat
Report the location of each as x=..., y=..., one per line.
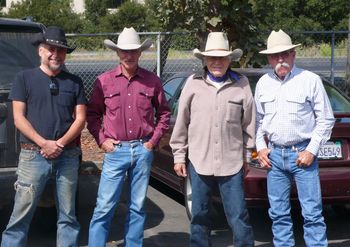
x=278, y=42
x=218, y=46
x=128, y=39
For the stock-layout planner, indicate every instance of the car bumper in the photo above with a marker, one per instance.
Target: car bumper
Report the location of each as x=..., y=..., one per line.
x=335, y=186
x=7, y=179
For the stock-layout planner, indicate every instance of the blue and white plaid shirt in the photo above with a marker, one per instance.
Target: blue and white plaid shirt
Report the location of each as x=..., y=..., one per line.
x=293, y=110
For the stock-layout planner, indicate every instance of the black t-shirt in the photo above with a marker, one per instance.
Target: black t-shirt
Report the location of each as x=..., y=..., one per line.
x=51, y=115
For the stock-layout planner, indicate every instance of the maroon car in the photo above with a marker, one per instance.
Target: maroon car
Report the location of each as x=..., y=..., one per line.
x=334, y=156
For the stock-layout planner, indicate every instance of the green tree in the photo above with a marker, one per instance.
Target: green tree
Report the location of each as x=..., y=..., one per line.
x=235, y=17
x=300, y=15
x=49, y=13
x=95, y=10
x=129, y=14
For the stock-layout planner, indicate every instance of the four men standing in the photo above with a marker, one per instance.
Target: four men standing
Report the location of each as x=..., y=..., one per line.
x=128, y=114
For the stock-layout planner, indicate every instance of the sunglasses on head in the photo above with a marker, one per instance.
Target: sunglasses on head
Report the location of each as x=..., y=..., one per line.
x=53, y=86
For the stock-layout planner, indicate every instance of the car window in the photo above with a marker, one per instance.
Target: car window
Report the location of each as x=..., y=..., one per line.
x=339, y=103
x=253, y=80
x=171, y=86
x=16, y=54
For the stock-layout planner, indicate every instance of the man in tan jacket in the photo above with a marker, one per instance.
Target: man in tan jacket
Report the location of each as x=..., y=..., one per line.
x=215, y=126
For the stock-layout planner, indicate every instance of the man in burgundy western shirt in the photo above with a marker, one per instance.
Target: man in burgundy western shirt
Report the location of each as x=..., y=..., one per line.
x=127, y=114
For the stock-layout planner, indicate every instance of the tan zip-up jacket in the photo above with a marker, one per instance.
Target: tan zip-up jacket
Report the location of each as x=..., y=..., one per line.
x=215, y=126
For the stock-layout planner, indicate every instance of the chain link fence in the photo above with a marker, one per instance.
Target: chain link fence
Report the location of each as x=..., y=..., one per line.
x=324, y=53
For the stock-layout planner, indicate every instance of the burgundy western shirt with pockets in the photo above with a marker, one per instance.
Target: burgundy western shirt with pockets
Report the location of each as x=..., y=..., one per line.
x=128, y=110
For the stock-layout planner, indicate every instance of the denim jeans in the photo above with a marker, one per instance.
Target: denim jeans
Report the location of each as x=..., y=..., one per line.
x=133, y=160
x=232, y=196
x=279, y=181
x=33, y=173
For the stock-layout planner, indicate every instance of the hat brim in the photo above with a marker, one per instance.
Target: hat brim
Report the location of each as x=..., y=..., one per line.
x=144, y=46
x=278, y=49
x=234, y=55
x=39, y=39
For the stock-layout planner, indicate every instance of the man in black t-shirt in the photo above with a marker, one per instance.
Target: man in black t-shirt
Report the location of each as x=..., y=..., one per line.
x=49, y=108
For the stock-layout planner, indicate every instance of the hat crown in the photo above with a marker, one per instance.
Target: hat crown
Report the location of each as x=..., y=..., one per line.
x=217, y=41
x=128, y=37
x=278, y=42
x=279, y=38
x=54, y=33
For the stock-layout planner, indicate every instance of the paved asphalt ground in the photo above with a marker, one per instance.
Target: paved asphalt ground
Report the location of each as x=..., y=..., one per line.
x=167, y=224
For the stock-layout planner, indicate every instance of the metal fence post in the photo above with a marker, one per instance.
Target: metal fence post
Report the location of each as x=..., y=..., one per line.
x=158, y=55
x=332, y=57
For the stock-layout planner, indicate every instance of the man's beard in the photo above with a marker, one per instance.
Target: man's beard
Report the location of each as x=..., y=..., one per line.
x=53, y=68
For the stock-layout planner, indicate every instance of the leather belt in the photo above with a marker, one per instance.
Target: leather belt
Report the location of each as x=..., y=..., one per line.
x=30, y=146
x=34, y=147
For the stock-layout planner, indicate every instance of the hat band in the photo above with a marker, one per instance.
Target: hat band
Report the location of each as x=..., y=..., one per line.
x=216, y=50
x=56, y=41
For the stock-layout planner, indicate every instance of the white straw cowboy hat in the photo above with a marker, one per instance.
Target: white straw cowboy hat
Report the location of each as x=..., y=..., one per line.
x=218, y=46
x=128, y=39
x=278, y=42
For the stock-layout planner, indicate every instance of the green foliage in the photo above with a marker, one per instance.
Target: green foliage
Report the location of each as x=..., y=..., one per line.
x=184, y=42
x=325, y=50
x=94, y=10
x=49, y=13
x=129, y=14
x=300, y=15
x=235, y=17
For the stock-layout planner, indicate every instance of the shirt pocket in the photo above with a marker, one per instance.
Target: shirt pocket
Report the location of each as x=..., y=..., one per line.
x=268, y=103
x=297, y=104
x=112, y=100
x=234, y=112
x=144, y=99
x=66, y=98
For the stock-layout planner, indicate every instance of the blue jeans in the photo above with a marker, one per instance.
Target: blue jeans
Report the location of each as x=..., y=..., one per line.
x=133, y=160
x=232, y=196
x=279, y=181
x=33, y=173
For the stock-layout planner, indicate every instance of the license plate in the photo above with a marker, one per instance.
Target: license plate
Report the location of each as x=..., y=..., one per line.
x=330, y=150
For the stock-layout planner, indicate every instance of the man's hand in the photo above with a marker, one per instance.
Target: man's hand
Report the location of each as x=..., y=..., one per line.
x=263, y=158
x=305, y=158
x=149, y=146
x=50, y=150
x=180, y=169
x=108, y=145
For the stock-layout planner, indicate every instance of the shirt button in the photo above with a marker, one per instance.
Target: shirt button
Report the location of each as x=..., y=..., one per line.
x=129, y=106
x=130, y=131
x=129, y=119
x=129, y=94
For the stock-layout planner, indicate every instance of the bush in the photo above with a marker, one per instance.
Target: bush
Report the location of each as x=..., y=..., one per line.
x=184, y=42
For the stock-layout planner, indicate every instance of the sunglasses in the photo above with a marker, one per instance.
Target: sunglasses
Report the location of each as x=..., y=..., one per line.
x=284, y=54
x=53, y=86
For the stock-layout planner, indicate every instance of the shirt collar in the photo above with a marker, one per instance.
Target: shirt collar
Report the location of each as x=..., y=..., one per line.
x=119, y=72
x=234, y=76
x=288, y=76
